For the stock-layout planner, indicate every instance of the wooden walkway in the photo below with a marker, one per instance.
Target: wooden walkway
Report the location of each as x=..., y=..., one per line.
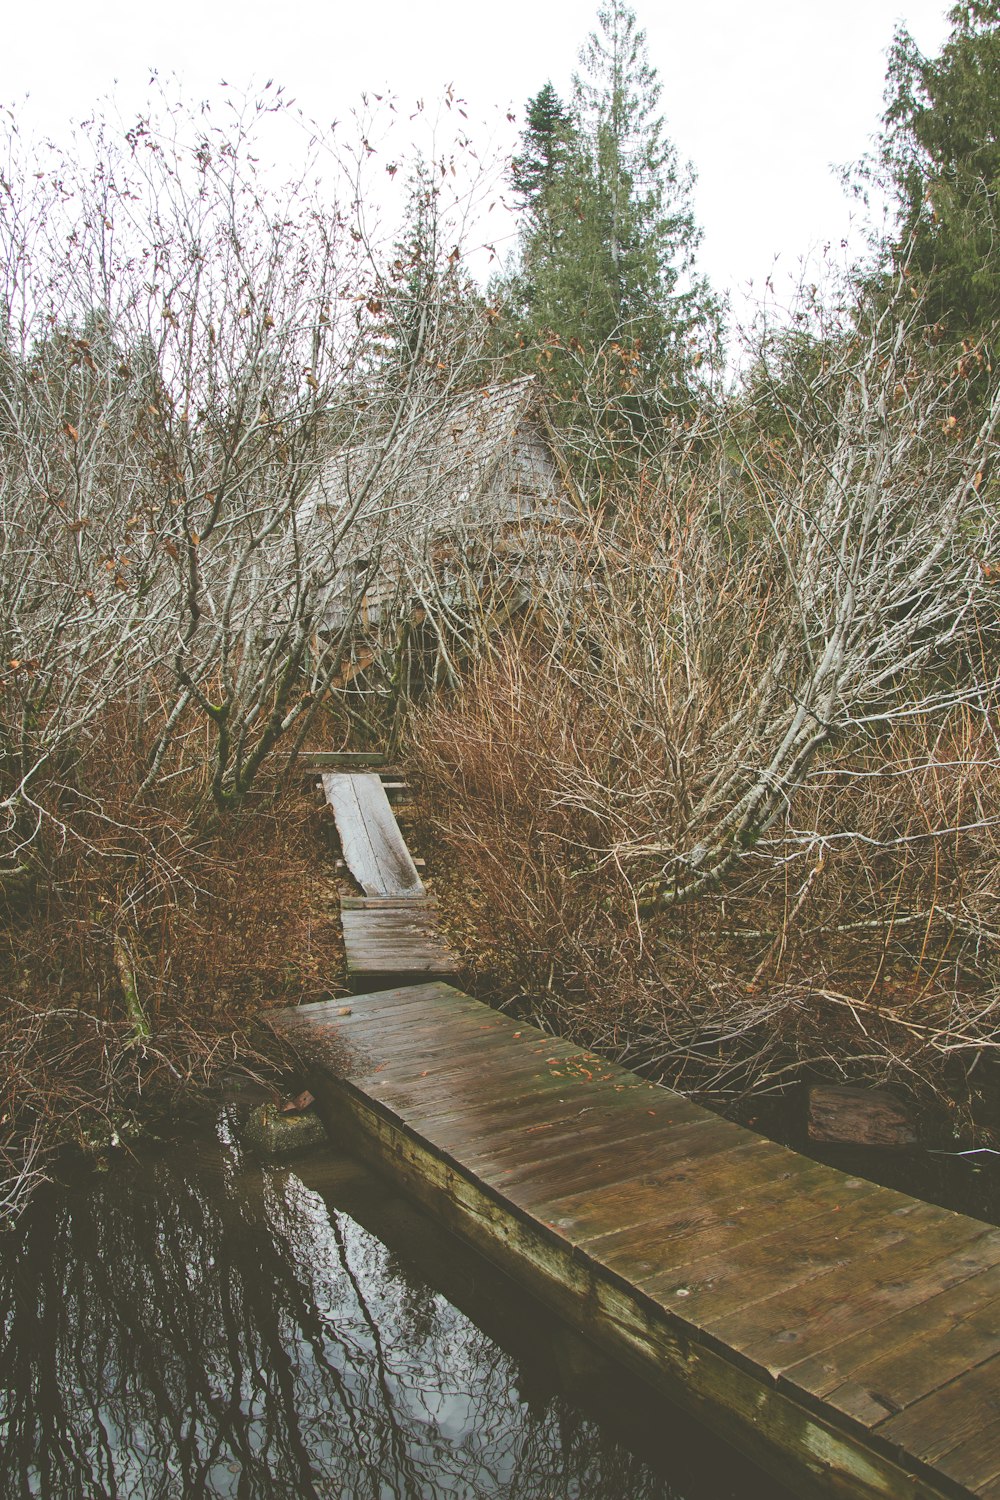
x=845, y=1336
x=373, y=846
x=390, y=933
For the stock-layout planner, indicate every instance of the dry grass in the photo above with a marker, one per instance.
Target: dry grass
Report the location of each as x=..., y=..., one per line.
x=729, y=807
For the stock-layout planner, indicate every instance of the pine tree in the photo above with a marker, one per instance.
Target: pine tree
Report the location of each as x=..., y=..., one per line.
x=546, y=139
x=604, y=287
x=426, y=303
x=940, y=151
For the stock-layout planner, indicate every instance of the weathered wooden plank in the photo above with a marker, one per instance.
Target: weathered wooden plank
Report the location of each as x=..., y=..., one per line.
x=859, y=1117
x=537, y=1123
x=792, y=1259
x=343, y=760
x=708, y=1216
x=388, y=945
x=951, y=1321
x=388, y=903
x=955, y=1429
x=373, y=846
x=329, y=1021
x=524, y=1144
x=975, y=1462
x=799, y=1323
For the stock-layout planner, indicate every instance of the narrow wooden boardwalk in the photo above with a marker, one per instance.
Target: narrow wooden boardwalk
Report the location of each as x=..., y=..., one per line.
x=845, y=1336
x=388, y=943
x=373, y=847
x=390, y=933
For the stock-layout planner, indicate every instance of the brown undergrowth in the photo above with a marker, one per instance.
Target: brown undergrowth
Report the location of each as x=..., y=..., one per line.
x=136, y=973
x=856, y=940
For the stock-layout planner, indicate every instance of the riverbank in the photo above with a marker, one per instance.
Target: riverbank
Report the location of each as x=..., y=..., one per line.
x=139, y=971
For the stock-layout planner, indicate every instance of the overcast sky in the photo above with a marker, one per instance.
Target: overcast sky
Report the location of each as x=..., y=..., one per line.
x=764, y=98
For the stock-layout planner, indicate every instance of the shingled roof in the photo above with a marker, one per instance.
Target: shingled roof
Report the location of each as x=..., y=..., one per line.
x=458, y=484
x=431, y=470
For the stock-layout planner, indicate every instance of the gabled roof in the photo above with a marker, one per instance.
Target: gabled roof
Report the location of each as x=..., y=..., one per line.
x=428, y=470
x=450, y=491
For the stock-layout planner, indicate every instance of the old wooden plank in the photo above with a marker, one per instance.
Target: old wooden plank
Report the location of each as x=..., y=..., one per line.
x=463, y=1113
x=638, y=1201
x=860, y=1117
x=405, y=1040
x=343, y=760
x=538, y=1124
x=551, y=1179
x=389, y=944
x=389, y=927
x=537, y=1136
x=461, y=1087
x=950, y=1320
x=707, y=1215
x=312, y=1022
x=931, y=1253
x=425, y=903
x=369, y=835
x=955, y=1428
x=457, y=1062
x=974, y=1463
x=793, y=1256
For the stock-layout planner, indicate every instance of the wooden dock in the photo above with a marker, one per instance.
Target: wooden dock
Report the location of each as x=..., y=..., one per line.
x=845, y=1336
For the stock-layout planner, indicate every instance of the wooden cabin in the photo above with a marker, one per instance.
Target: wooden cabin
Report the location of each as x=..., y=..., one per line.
x=456, y=511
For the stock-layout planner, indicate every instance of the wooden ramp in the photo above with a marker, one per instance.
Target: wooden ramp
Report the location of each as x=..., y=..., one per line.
x=373, y=846
x=390, y=933
x=847, y=1337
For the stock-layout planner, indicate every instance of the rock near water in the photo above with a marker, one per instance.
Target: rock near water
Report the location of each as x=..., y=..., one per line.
x=273, y=1133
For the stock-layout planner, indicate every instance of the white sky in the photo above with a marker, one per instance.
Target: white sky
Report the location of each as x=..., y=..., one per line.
x=763, y=97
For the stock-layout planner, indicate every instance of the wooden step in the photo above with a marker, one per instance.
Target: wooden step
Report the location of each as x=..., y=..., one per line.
x=388, y=903
x=342, y=760
x=388, y=946
x=418, y=861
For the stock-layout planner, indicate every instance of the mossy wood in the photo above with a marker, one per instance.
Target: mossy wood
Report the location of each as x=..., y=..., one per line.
x=845, y=1336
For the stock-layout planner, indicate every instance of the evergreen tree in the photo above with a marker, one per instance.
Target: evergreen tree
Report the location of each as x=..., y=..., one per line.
x=940, y=150
x=426, y=304
x=546, y=138
x=604, y=287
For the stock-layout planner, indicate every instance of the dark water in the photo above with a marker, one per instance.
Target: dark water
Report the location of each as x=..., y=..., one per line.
x=190, y=1324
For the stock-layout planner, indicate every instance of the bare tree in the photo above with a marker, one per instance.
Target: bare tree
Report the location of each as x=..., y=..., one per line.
x=185, y=340
x=746, y=784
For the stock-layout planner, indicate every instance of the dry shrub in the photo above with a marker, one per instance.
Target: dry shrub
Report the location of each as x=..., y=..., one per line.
x=855, y=942
x=152, y=943
x=728, y=808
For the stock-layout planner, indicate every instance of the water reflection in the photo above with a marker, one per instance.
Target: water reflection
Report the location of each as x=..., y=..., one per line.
x=192, y=1326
